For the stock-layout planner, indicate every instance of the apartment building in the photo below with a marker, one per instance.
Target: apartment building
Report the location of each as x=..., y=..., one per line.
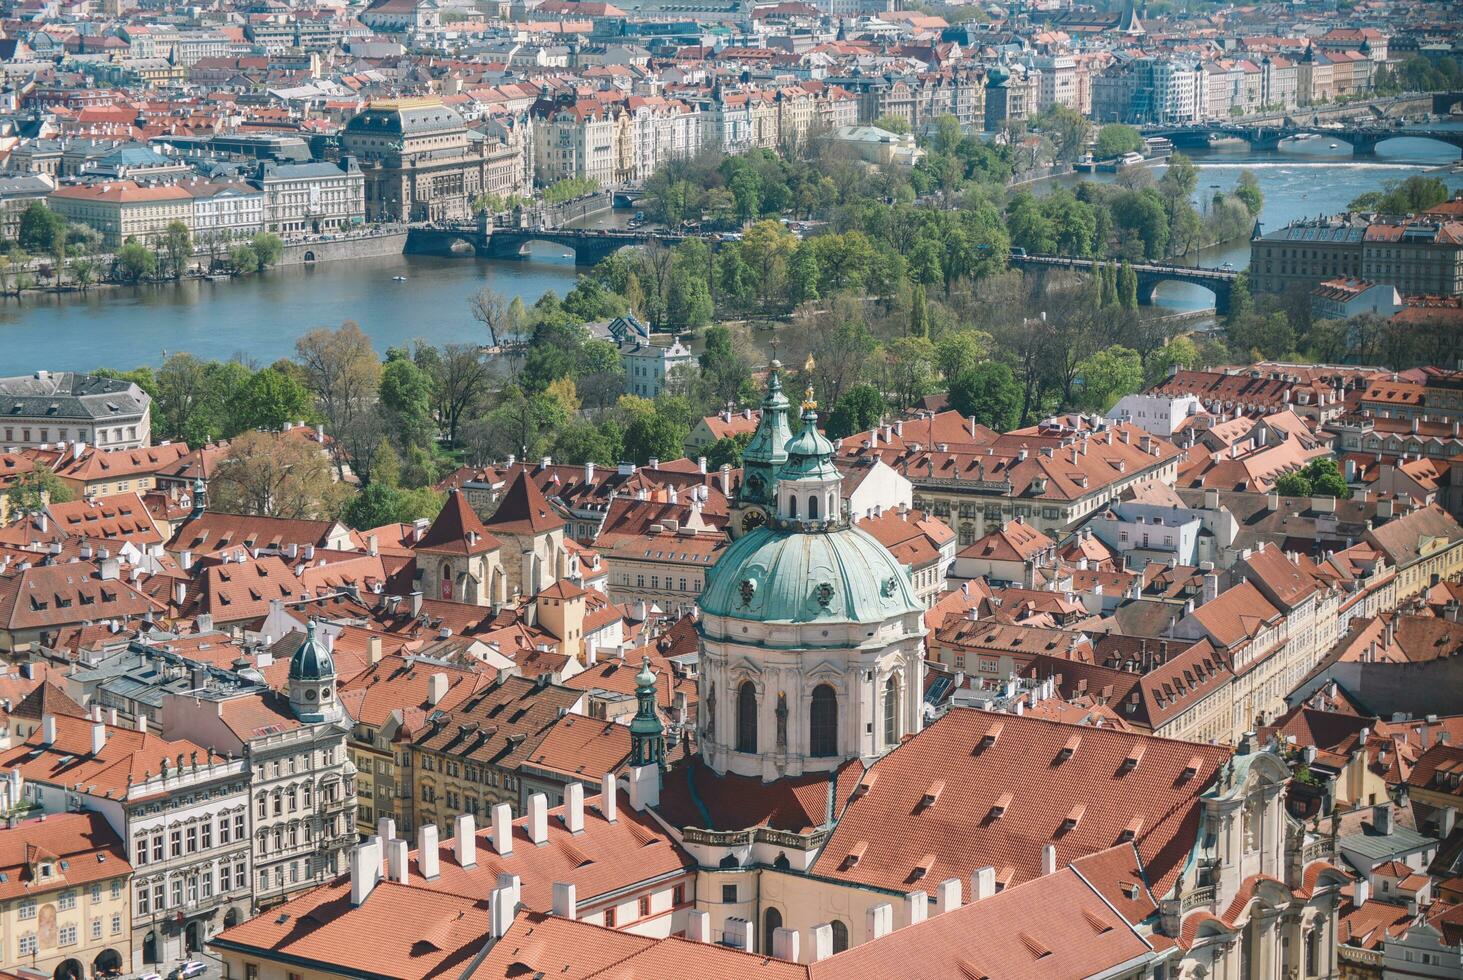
x=124, y=209
x=311, y=198
x=181, y=810
x=50, y=407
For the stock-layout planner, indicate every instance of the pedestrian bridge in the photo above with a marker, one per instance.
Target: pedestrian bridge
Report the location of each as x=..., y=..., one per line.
x=1220, y=282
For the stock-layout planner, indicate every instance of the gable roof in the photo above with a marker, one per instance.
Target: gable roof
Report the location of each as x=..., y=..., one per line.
x=458, y=530
x=524, y=510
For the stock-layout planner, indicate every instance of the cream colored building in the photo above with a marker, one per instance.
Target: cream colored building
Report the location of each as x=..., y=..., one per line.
x=124, y=209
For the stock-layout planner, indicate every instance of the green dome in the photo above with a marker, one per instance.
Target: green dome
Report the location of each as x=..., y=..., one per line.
x=809, y=453
x=778, y=575
x=312, y=661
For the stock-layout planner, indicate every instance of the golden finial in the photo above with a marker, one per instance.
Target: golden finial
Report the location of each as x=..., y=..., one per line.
x=809, y=404
x=809, y=364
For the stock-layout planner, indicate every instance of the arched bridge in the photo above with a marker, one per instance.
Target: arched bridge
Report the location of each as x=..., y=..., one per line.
x=1363, y=140
x=1220, y=282
x=589, y=245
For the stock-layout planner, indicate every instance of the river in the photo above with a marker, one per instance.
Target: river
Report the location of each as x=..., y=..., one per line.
x=259, y=317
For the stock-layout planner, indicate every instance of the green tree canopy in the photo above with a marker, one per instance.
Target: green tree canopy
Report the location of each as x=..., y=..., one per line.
x=988, y=393
x=1115, y=139
x=858, y=408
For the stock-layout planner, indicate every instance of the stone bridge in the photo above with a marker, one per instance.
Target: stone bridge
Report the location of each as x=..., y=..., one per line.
x=1220, y=282
x=589, y=245
x=1363, y=140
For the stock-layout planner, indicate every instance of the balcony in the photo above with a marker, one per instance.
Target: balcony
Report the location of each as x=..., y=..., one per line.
x=1200, y=897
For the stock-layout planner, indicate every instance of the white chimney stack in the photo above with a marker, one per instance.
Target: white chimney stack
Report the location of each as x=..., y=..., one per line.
x=880, y=920
x=396, y=861
x=698, y=927
x=983, y=883
x=741, y=934
x=822, y=941
x=538, y=819
x=1049, y=859
x=427, y=853
x=785, y=944
x=917, y=907
x=365, y=866
x=465, y=831
x=947, y=896
x=98, y=737
x=501, y=909
x=609, y=792
x=48, y=730
x=386, y=828
x=574, y=808
x=565, y=906
x=503, y=829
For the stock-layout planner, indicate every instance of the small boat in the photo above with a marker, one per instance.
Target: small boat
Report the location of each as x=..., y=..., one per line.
x=398, y=278
x=1334, y=146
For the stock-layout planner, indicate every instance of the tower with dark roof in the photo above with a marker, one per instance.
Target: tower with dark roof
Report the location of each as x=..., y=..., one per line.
x=532, y=536
x=647, y=737
x=458, y=560
x=312, y=680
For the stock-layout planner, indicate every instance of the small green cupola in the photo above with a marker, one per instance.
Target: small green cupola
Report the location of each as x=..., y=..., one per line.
x=312, y=680
x=767, y=450
x=647, y=736
x=809, y=486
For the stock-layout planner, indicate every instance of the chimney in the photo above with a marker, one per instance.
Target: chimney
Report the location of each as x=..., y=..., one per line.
x=609, y=792
x=698, y=927
x=501, y=909
x=427, y=853
x=365, y=867
x=785, y=944
x=48, y=730
x=185, y=560
x=538, y=819
x=645, y=787
x=1211, y=588
x=574, y=808
x=1447, y=819
x=947, y=896
x=373, y=545
x=396, y=861
x=141, y=721
x=917, y=907
x=565, y=905
x=1363, y=892
x=740, y=934
x=983, y=883
x=437, y=688
x=822, y=941
x=503, y=829
x=373, y=648
x=98, y=737
x=465, y=830
x=880, y=920
x=1049, y=859
x=1382, y=818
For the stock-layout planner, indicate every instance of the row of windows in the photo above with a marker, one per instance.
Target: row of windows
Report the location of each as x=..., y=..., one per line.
x=197, y=836
x=197, y=886
x=67, y=899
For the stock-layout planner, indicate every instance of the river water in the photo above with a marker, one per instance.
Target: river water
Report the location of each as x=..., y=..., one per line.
x=260, y=317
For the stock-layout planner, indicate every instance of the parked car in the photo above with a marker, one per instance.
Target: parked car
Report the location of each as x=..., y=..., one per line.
x=190, y=969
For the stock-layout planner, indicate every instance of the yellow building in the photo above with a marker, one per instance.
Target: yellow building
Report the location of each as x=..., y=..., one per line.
x=124, y=209
x=1425, y=546
x=65, y=906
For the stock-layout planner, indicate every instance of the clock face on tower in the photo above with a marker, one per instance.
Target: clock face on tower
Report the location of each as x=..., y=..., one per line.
x=752, y=520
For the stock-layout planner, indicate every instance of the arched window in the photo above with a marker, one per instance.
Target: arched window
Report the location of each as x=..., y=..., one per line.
x=792, y=506
x=823, y=722
x=747, y=717
x=891, y=710
x=840, y=936
x=772, y=919
x=812, y=507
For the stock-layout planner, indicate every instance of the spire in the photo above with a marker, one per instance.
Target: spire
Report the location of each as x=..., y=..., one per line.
x=1130, y=24
x=767, y=450
x=647, y=736
x=200, y=501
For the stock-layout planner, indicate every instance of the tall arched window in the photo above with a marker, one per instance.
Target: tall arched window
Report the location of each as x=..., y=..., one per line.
x=771, y=920
x=812, y=507
x=792, y=505
x=840, y=936
x=891, y=710
x=823, y=722
x=747, y=717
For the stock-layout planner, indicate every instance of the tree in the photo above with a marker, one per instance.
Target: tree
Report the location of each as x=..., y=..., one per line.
x=802, y=275
x=269, y=400
x=959, y=351
x=891, y=123
x=134, y=262
x=267, y=247
x=1115, y=139
x=1414, y=195
x=727, y=451
x=380, y=504
x=1127, y=288
x=1109, y=375
x=461, y=373
x=1247, y=189
x=36, y=490
x=1292, y=485
x=859, y=408
x=83, y=272
x=988, y=393
x=1068, y=129
x=489, y=308
x=654, y=436
x=178, y=243
x=766, y=246
x=342, y=371
x=1140, y=216
x=274, y=475
x=41, y=229
x=688, y=302
x=243, y=260
x=406, y=399
x=1177, y=353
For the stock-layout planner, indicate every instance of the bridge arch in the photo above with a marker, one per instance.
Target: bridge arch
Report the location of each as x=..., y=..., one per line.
x=1149, y=291
x=1443, y=138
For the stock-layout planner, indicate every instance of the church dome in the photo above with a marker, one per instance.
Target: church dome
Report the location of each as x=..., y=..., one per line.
x=778, y=575
x=311, y=662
